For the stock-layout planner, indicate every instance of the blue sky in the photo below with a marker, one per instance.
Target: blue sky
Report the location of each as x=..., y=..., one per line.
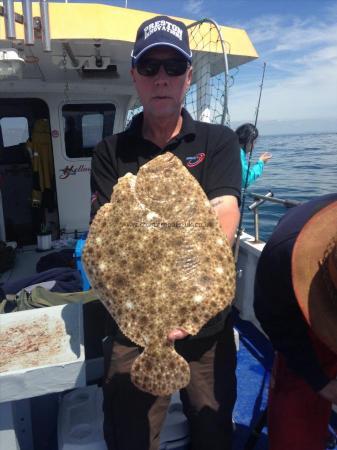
x=298, y=41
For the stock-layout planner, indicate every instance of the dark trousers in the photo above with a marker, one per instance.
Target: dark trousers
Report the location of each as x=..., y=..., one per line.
x=133, y=419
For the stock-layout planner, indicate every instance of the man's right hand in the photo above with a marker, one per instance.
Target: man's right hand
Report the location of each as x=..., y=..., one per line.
x=329, y=392
x=177, y=334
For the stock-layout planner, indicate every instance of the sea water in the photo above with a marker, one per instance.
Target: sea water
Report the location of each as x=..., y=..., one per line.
x=303, y=166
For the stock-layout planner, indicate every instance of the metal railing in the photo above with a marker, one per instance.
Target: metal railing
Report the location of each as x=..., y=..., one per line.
x=260, y=200
x=32, y=25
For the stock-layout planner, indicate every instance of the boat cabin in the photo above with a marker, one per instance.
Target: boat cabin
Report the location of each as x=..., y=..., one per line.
x=68, y=87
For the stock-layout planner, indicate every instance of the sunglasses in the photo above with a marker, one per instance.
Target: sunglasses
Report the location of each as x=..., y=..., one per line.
x=173, y=67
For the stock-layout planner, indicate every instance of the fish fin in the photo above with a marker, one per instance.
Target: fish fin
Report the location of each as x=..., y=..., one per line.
x=160, y=371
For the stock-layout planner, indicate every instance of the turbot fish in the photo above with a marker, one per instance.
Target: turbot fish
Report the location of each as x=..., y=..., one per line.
x=159, y=260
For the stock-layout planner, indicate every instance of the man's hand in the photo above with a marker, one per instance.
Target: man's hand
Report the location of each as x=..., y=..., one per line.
x=176, y=334
x=329, y=392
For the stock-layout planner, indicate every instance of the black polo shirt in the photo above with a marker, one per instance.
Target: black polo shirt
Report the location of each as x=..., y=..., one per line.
x=210, y=152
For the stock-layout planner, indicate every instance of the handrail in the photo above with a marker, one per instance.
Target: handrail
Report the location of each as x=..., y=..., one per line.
x=259, y=200
x=272, y=199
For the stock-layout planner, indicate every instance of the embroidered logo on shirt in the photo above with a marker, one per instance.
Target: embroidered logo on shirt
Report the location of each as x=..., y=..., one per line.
x=193, y=161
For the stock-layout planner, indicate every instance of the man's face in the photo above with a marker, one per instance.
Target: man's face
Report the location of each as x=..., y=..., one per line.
x=161, y=95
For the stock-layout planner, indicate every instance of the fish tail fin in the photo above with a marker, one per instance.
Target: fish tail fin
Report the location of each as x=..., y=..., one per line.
x=160, y=371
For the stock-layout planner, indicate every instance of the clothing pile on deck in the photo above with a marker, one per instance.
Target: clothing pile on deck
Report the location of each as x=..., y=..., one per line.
x=55, y=273
x=57, y=282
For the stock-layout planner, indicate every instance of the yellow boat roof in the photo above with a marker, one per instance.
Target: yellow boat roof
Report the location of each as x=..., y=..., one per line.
x=87, y=21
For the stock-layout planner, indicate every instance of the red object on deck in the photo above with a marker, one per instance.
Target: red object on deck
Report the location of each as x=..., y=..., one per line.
x=298, y=417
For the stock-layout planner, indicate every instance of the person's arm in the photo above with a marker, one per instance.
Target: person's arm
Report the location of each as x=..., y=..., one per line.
x=227, y=209
x=244, y=168
x=256, y=170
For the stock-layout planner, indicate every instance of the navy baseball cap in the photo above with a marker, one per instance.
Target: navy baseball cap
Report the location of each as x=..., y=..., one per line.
x=158, y=31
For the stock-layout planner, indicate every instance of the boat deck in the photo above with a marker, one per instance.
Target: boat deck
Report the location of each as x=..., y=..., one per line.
x=25, y=263
x=255, y=356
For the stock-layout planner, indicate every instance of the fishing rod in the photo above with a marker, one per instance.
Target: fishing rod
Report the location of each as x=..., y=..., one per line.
x=244, y=191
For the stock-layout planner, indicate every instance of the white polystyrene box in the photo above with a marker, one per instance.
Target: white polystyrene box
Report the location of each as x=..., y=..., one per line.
x=80, y=420
x=42, y=351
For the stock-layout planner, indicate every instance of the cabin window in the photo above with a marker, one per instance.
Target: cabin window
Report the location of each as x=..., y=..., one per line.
x=85, y=125
x=14, y=130
x=92, y=129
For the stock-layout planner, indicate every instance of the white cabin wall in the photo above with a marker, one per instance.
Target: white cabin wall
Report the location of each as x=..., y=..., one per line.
x=73, y=192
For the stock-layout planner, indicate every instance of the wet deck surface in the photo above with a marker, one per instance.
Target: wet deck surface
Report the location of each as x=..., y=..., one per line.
x=25, y=264
x=255, y=358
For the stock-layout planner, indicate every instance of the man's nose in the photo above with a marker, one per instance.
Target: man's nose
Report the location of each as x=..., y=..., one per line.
x=161, y=76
